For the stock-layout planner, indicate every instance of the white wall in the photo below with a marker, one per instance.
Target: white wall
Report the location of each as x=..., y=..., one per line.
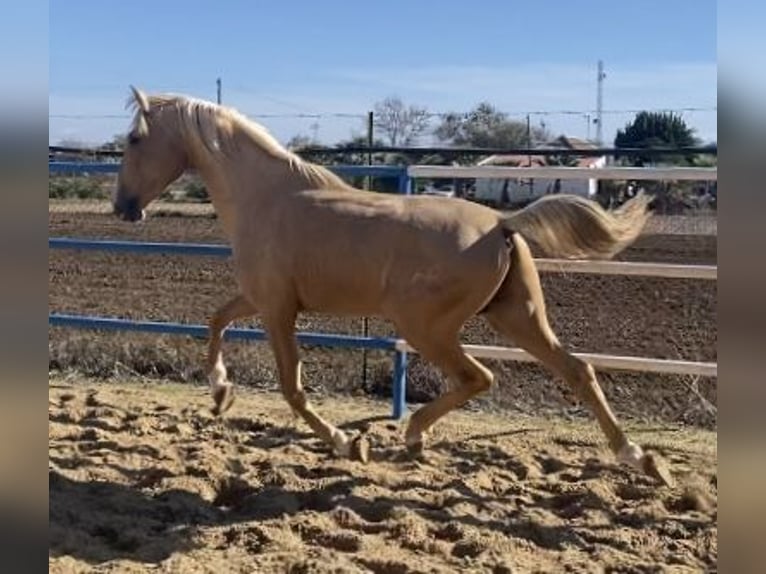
x=520, y=189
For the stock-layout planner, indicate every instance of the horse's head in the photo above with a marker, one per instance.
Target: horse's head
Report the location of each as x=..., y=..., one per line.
x=154, y=157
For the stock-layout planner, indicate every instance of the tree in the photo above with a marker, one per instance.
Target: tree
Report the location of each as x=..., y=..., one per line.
x=337, y=155
x=656, y=129
x=299, y=141
x=399, y=123
x=485, y=126
x=359, y=158
x=116, y=143
x=72, y=143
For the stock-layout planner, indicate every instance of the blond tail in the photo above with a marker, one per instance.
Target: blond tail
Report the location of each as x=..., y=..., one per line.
x=572, y=227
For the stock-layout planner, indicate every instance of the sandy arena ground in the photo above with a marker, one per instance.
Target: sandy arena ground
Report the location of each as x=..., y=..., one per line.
x=144, y=479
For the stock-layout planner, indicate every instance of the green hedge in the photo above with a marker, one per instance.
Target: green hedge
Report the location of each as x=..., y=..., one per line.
x=75, y=188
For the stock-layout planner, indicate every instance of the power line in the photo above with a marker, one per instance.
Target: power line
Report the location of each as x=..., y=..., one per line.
x=310, y=116
x=582, y=112
x=89, y=116
x=321, y=115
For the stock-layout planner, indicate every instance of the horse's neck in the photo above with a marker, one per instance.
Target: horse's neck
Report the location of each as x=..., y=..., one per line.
x=246, y=182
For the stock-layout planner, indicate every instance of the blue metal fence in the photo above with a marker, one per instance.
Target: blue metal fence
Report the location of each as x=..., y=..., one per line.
x=393, y=171
x=211, y=249
x=215, y=250
x=201, y=331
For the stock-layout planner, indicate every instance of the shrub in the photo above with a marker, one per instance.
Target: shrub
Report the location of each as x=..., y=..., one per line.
x=195, y=189
x=75, y=187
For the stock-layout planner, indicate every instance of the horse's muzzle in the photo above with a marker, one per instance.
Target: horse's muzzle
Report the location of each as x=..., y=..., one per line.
x=128, y=209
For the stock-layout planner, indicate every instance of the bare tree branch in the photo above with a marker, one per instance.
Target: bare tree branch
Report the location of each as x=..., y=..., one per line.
x=399, y=123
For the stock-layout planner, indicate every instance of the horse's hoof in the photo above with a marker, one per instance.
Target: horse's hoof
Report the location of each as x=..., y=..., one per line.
x=656, y=467
x=223, y=396
x=360, y=449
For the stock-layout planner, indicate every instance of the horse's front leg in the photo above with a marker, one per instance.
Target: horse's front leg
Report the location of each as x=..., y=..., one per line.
x=221, y=389
x=282, y=339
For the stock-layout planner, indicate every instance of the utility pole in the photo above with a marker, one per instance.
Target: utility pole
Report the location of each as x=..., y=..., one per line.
x=314, y=133
x=600, y=103
x=529, y=158
x=529, y=139
x=368, y=185
x=370, y=120
x=218, y=90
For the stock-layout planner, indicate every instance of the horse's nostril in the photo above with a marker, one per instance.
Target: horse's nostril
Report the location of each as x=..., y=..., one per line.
x=131, y=204
x=128, y=208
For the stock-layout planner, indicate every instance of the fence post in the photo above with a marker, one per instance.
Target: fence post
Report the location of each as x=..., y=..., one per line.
x=404, y=182
x=400, y=384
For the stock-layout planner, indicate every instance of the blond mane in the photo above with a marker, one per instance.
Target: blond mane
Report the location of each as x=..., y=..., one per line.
x=198, y=119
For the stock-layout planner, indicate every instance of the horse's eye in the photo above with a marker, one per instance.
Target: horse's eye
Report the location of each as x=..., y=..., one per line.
x=133, y=139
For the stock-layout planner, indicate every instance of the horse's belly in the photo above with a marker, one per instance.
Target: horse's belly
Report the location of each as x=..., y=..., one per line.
x=339, y=296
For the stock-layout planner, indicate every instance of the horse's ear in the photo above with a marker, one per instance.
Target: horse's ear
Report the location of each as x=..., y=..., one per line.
x=140, y=98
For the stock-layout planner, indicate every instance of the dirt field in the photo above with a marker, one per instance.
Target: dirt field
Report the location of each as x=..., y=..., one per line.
x=619, y=315
x=142, y=479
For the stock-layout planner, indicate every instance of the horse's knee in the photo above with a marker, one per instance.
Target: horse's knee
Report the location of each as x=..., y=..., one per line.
x=296, y=398
x=582, y=375
x=217, y=323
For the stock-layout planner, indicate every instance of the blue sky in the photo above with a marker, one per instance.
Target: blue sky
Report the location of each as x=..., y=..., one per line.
x=332, y=57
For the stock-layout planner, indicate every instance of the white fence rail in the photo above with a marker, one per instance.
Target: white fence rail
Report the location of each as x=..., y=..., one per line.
x=667, y=270
x=616, y=362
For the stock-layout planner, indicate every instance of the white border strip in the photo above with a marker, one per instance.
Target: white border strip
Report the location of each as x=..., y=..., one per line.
x=616, y=362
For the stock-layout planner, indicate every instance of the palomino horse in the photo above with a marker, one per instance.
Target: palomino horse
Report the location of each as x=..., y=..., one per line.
x=303, y=240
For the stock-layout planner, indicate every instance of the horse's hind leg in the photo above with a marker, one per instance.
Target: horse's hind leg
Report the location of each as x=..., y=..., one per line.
x=518, y=312
x=221, y=389
x=281, y=331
